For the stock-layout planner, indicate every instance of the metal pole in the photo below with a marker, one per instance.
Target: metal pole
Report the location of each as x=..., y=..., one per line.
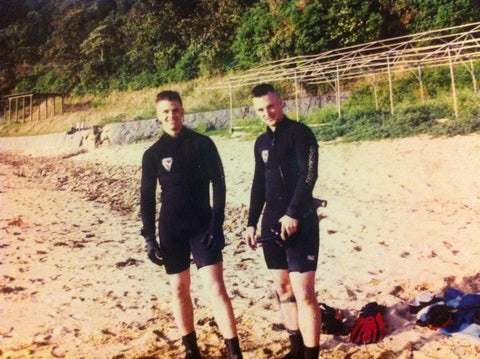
x=31, y=108
x=420, y=80
x=454, y=92
x=473, y=76
x=231, y=107
x=390, y=86
x=375, y=91
x=296, y=97
x=23, y=109
x=337, y=85
x=16, y=109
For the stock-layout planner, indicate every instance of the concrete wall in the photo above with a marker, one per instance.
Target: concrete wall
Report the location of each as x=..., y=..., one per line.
x=51, y=144
x=126, y=132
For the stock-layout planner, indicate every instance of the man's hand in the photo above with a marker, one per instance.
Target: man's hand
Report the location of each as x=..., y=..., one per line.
x=214, y=238
x=154, y=252
x=250, y=237
x=289, y=226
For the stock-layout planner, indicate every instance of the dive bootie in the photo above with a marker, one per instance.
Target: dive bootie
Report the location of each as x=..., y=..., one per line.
x=296, y=345
x=191, y=347
x=233, y=348
x=312, y=353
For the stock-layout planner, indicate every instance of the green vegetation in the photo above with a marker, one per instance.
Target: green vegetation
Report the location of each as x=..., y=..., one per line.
x=360, y=120
x=93, y=47
x=113, y=119
x=434, y=117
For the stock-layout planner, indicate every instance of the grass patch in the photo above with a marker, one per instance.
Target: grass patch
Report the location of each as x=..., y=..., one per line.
x=249, y=127
x=145, y=115
x=113, y=119
x=434, y=117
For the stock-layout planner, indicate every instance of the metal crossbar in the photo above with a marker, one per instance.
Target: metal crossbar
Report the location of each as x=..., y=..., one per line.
x=428, y=49
x=442, y=47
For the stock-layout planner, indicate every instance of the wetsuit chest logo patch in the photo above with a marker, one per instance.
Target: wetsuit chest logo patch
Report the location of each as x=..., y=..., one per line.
x=265, y=156
x=167, y=163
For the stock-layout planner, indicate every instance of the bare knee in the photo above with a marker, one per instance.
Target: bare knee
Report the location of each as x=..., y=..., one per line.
x=306, y=298
x=284, y=290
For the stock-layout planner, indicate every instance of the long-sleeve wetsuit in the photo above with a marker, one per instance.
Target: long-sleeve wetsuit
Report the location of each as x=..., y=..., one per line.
x=184, y=167
x=286, y=165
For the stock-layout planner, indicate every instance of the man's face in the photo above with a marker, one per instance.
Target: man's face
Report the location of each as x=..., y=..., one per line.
x=269, y=108
x=170, y=114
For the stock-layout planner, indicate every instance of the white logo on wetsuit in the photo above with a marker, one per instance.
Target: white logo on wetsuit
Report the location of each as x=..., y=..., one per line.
x=265, y=156
x=167, y=163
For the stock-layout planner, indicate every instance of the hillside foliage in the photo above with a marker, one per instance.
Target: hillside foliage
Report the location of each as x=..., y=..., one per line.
x=91, y=47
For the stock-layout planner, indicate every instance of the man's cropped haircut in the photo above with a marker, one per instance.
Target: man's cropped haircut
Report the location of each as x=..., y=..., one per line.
x=169, y=96
x=262, y=90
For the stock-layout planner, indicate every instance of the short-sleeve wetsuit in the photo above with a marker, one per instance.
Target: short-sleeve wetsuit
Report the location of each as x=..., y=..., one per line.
x=184, y=167
x=286, y=165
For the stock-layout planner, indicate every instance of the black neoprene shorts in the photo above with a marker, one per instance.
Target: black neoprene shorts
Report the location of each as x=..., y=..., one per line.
x=300, y=252
x=182, y=235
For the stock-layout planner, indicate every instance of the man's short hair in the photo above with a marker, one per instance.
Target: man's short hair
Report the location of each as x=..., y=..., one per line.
x=262, y=90
x=169, y=96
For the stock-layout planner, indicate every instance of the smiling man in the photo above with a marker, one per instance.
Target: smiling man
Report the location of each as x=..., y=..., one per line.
x=185, y=163
x=286, y=160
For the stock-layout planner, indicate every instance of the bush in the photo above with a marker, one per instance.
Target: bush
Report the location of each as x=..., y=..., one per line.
x=187, y=68
x=366, y=123
x=45, y=79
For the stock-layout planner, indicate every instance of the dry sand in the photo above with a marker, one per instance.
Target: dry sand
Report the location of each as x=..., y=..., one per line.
x=402, y=218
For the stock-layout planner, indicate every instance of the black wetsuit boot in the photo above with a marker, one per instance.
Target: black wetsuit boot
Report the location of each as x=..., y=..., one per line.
x=191, y=348
x=312, y=353
x=296, y=345
x=233, y=348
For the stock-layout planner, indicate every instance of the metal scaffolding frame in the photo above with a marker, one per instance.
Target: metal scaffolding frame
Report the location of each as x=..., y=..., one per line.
x=443, y=47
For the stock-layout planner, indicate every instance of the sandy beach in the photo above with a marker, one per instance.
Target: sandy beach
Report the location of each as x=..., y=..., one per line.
x=403, y=217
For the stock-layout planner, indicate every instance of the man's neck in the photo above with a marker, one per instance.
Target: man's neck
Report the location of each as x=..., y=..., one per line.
x=173, y=134
x=274, y=127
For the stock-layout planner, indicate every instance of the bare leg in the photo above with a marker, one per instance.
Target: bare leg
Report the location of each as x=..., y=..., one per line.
x=182, y=301
x=212, y=277
x=309, y=314
x=281, y=281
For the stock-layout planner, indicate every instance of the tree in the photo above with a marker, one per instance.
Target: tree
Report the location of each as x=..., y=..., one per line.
x=436, y=14
x=262, y=36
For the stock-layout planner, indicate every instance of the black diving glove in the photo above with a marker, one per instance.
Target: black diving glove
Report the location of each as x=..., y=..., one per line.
x=214, y=238
x=154, y=252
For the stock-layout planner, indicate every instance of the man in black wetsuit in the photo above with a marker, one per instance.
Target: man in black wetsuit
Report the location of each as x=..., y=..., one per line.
x=286, y=160
x=184, y=163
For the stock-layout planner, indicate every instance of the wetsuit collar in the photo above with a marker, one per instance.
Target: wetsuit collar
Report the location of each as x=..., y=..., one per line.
x=280, y=126
x=181, y=134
